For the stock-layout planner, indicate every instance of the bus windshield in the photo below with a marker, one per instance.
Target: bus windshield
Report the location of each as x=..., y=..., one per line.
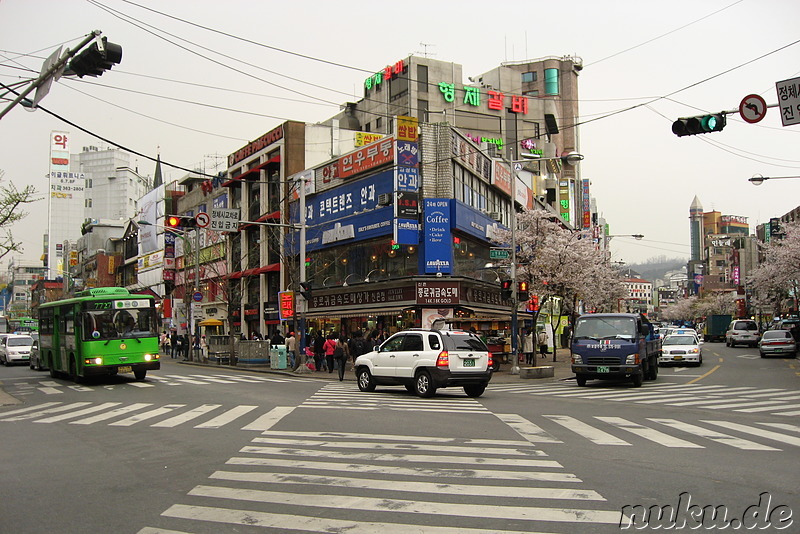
x=605, y=328
x=118, y=324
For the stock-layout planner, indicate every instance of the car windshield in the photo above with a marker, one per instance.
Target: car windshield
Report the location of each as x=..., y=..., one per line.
x=605, y=328
x=20, y=341
x=680, y=340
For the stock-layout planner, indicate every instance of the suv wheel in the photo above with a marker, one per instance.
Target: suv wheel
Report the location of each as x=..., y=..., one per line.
x=475, y=390
x=423, y=385
x=364, y=379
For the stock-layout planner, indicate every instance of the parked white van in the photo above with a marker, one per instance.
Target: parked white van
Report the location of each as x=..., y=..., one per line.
x=15, y=348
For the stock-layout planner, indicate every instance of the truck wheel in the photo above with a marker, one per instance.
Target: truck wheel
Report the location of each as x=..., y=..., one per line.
x=581, y=379
x=653, y=370
x=636, y=380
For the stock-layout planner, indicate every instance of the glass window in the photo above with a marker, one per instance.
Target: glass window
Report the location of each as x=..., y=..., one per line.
x=433, y=341
x=422, y=78
x=529, y=77
x=413, y=342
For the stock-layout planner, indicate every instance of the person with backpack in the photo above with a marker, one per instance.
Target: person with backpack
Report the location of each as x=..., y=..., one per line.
x=341, y=353
x=358, y=346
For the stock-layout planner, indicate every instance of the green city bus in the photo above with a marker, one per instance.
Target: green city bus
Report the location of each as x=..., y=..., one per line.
x=24, y=325
x=101, y=331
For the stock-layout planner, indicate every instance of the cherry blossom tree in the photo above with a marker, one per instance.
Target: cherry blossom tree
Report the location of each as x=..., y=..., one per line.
x=776, y=281
x=680, y=310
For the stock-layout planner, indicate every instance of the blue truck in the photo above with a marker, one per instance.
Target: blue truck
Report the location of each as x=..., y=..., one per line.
x=614, y=346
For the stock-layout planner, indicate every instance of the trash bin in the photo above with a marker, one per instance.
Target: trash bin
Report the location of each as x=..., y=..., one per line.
x=277, y=357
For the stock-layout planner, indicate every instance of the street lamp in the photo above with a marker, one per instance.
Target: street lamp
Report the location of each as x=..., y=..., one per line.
x=758, y=179
x=570, y=159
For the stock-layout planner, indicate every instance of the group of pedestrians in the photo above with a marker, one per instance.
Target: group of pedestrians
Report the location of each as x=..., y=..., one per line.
x=178, y=345
x=332, y=352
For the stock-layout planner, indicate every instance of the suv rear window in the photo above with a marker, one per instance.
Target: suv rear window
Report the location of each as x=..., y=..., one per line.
x=745, y=325
x=463, y=342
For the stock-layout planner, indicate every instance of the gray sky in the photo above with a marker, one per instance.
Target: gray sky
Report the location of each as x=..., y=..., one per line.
x=698, y=56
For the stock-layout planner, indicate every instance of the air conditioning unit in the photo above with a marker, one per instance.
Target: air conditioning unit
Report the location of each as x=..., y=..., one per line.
x=384, y=199
x=495, y=215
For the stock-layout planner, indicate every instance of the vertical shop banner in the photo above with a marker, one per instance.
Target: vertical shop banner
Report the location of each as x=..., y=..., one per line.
x=438, y=236
x=406, y=186
x=587, y=205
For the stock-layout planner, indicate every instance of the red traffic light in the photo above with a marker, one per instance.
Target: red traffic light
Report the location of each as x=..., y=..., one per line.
x=175, y=221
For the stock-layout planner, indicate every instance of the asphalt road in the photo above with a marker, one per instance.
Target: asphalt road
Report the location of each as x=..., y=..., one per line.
x=207, y=449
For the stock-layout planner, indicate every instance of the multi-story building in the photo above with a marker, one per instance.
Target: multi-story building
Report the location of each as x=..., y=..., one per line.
x=638, y=296
x=22, y=275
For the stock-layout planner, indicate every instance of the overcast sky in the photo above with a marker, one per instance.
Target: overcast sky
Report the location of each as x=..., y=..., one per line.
x=196, y=95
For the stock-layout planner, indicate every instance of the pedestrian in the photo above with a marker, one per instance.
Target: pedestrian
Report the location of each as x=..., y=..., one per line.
x=185, y=345
x=204, y=347
x=277, y=339
x=256, y=336
x=291, y=350
x=319, y=351
x=173, y=342
x=357, y=345
x=242, y=337
x=528, y=348
x=329, y=348
x=341, y=353
x=541, y=340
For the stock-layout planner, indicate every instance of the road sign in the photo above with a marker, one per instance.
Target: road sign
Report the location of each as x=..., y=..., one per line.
x=202, y=219
x=789, y=101
x=753, y=108
x=197, y=296
x=224, y=219
x=499, y=253
x=44, y=88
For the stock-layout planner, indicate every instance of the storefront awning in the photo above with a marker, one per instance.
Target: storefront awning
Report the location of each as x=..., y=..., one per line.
x=210, y=322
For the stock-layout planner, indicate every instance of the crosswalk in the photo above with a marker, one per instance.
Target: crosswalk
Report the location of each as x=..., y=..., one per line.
x=661, y=431
x=55, y=387
x=365, y=483
x=345, y=396
x=746, y=399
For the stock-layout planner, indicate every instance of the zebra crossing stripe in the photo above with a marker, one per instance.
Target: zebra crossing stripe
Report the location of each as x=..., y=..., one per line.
x=213, y=379
x=404, y=439
x=286, y=523
x=740, y=404
x=522, y=492
x=595, y=435
x=406, y=447
x=79, y=413
x=649, y=433
x=139, y=417
x=775, y=436
x=186, y=416
x=768, y=408
x=111, y=414
x=437, y=472
x=528, y=430
x=227, y=417
x=713, y=435
x=406, y=458
x=269, y=419
x=29, y=409
x=56, y=409
x=790, y=414
x=50, y=391
x=783, y=426
x=382, y=504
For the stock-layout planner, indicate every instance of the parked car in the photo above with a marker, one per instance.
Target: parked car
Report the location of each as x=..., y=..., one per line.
x=15, y=348
x=777, y=343
x=425, y=360
x=742, y=331
x=36, y=357
x=681, y=349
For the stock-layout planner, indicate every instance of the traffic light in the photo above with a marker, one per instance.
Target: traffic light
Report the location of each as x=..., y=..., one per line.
x=93, y=62
x=174, y=221
x=305, y=290
x=522, y=293
x=506, y=289
x=714, y=122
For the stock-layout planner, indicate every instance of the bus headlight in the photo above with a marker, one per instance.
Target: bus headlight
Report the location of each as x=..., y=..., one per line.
x=148, y=357
x=93, y=361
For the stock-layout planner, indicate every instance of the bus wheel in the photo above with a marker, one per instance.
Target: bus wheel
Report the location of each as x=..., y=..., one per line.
x=140, y=374
x=73, y=372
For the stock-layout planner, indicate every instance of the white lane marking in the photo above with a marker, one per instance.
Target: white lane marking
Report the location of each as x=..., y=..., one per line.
x=775, y=436
x=380, y=504
x=713, y=435
x=186, y=416
x=56, y=409
x=286, y=522
x=404, y=439
x=768, y=408
x=744, y=403
x=29, y=409
x=406, y=447
x=79, y=413
x=442, y=473
x=141, y=385
x=408, y=486
x=406, y=458
x=111, y=414
x=783, y=426
x=528, y=430
x=269, y=419
x=50, y=391
x=213, y=379
x=227, y=417
x=649, y=433
x=595, y=435
x=139, y=417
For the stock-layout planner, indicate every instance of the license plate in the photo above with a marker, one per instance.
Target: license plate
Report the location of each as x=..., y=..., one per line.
x=469, y=363
x=602, y=369
x=677, y=357
x=124, y=369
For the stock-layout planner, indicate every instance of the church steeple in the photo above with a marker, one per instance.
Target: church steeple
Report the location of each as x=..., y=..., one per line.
x=158, y=180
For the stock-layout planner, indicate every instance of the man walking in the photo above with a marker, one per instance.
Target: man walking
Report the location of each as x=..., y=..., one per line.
x=291, y=350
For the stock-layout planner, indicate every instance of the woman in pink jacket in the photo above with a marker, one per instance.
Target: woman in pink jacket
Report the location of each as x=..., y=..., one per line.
x=329, y=347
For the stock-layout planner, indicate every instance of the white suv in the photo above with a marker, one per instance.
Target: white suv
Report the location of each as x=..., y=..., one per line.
x=425, y=360
x=742, y=331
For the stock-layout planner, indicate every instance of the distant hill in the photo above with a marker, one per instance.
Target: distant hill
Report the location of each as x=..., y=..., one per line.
x=655, y=268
